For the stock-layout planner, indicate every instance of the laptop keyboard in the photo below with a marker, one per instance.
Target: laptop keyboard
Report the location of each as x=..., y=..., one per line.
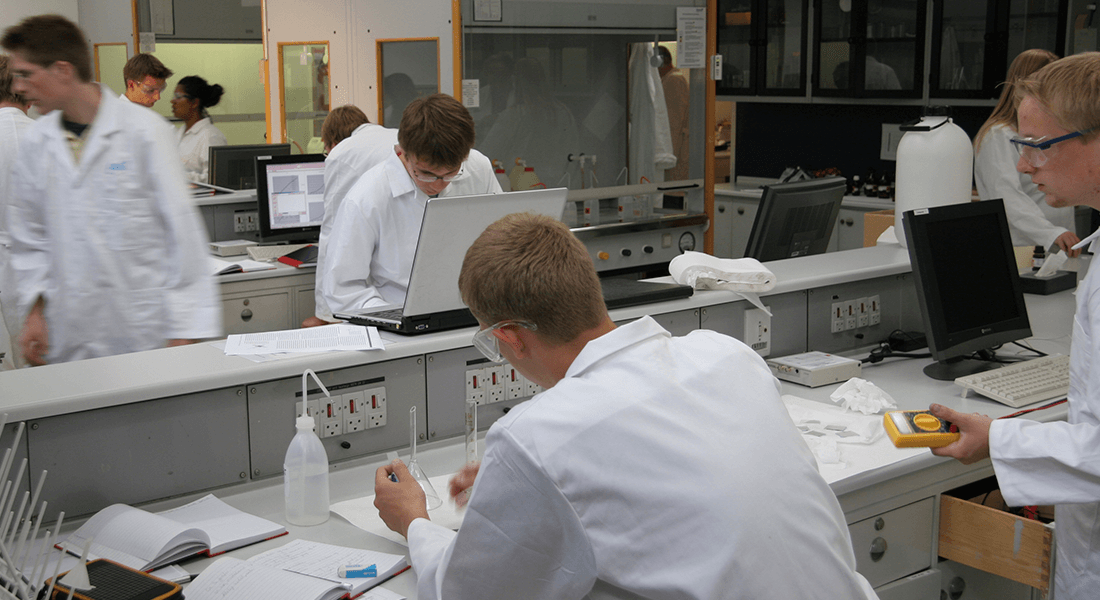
x=393, y=314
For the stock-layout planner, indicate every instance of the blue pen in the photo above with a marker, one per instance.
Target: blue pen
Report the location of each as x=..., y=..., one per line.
x=357, y=571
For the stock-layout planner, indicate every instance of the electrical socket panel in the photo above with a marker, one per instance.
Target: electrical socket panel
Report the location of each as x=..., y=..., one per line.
x=374, y=403
x=355, y=411
x=854, y=314
x=516, y=383
x=758, y=330
x=331, y=416
x=475, y=386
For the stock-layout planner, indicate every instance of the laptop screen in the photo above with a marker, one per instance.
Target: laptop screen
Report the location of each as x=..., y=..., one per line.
x=450, y=226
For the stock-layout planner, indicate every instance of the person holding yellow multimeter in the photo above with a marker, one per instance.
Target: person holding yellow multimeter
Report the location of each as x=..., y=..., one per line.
x=1058, y=462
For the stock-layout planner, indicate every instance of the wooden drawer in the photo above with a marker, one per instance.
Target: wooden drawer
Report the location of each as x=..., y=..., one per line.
x=894, y=544
x=996, y=542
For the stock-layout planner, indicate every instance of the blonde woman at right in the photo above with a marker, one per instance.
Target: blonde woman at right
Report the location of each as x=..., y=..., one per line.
x=1032, y=221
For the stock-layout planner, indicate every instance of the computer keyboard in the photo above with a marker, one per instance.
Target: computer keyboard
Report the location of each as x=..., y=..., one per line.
x=1022, y=383
x=270, y=253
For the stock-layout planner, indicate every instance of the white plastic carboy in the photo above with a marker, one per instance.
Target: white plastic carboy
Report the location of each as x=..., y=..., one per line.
x=935, y=165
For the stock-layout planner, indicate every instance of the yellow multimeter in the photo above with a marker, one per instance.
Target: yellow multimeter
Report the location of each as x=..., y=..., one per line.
x=918, y=428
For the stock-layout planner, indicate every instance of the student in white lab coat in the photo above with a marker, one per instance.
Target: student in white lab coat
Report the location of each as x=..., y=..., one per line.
x=370, y=250
x=108, y=252
x=189, y=103
x=1031, y=220
x=354, y=146
x=13, y=121
x=146, y=79
x=1059, y=462
x=638, y=473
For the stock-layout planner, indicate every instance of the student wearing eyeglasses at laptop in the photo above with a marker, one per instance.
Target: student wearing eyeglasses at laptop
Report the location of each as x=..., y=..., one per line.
x=370, y=249
x=1058, y=462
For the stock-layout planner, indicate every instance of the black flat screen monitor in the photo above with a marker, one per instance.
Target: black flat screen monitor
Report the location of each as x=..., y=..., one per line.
x=795, y=219
x=234, y=167
x=967, y=283
x=290, y=195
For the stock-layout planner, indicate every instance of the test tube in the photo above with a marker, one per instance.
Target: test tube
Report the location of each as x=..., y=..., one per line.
x=471, y=432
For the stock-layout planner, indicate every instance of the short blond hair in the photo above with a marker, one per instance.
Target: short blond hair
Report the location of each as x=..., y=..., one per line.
x=1069, y=89
x=532, y=268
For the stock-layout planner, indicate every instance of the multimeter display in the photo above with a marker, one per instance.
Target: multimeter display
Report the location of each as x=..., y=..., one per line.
x=918, y=428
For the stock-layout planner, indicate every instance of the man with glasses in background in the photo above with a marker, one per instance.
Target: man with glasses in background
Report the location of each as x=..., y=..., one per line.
x=1058, y=462
x=370, y=249
x=146, y=78
x=652, y=466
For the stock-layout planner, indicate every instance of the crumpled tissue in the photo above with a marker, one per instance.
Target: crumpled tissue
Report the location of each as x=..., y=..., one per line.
x=745, y=276
x=861, y=395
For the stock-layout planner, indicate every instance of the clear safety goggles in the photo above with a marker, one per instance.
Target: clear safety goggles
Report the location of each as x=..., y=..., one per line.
x=487, y=343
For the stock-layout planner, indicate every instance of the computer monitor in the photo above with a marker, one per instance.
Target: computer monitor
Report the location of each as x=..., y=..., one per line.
x=795, y=219
x=290, y=194
x=967, y=283
x=234, y=167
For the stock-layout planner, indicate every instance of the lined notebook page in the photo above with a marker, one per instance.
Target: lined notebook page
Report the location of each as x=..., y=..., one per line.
x=321, y=560
x=234, y=579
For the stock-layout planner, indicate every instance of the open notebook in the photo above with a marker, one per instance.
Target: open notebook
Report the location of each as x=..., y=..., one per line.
x=450, y=226
x=144, y=541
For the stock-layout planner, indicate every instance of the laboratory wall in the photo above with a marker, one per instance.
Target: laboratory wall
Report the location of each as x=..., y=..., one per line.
x=14, y=11
x=234, y=66
x=352, y=29
x=773, y=136
x=108, y=22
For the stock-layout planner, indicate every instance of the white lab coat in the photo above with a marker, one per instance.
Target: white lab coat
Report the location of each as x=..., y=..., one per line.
x=687, y=480
x=194, y=148
x=13, y=122
x=1031, y=220
x=366, y=147
x=1059, y=463
x=651, y=149
x=371, y=247
x=113, y=244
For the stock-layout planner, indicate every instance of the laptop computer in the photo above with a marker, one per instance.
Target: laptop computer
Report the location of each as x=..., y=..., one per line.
x=450, y=226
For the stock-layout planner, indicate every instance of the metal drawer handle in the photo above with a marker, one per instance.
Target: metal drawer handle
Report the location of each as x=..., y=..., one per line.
x=246, y=315
x=878, y=549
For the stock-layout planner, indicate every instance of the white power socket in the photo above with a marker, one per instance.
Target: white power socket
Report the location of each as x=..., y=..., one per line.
x=758, y=330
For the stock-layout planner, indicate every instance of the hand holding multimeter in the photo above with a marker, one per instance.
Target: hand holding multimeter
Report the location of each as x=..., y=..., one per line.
x=919, y=428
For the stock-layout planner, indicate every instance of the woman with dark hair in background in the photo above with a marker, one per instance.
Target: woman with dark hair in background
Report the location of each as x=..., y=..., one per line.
x=193, y=96
x=1032, y=221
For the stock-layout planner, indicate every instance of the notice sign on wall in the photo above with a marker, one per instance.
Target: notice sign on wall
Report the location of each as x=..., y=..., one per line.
x=691, y=37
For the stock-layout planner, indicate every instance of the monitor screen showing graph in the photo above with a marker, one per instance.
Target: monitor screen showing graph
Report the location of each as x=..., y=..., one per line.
x=291, y=197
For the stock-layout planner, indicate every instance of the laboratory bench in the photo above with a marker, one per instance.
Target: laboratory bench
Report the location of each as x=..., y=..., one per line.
x=165, y=426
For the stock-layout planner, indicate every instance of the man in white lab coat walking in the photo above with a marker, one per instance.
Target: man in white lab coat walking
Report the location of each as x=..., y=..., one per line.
x=652, y=466
x=108, y=252
x=13, y=121
x=1056, y=463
